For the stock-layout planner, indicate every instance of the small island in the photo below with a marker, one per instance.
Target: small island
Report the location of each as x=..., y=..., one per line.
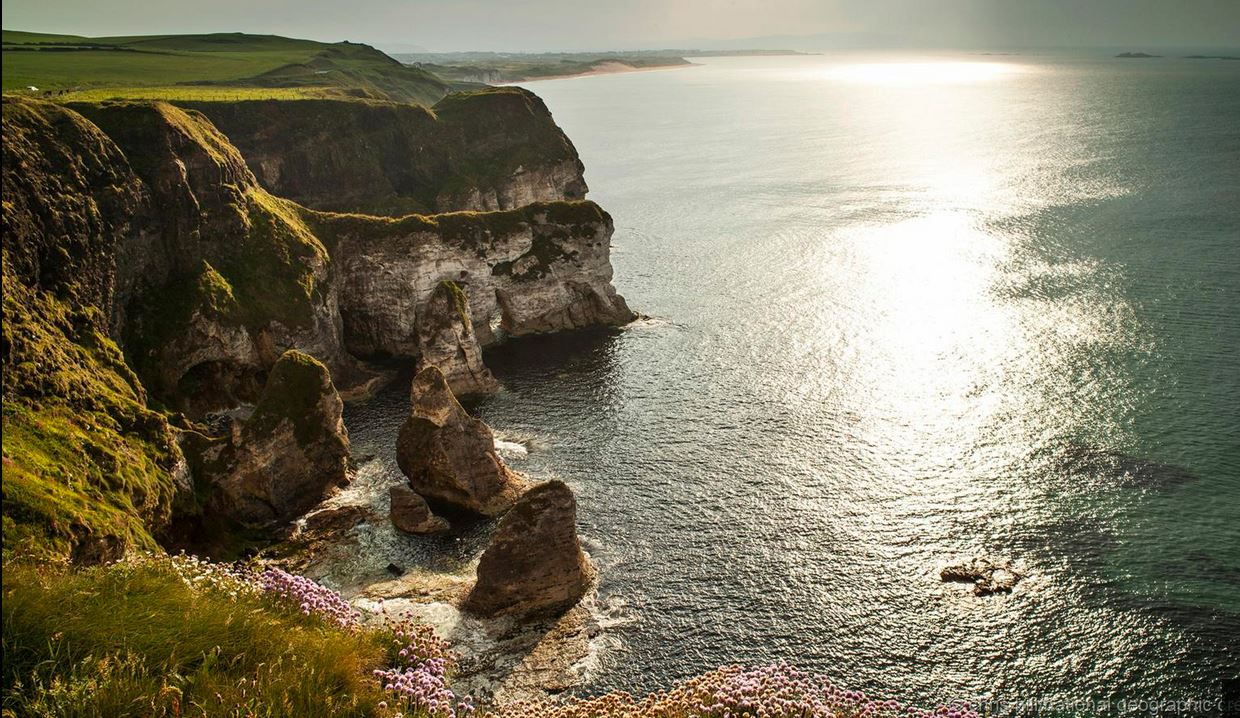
x=1135, y=55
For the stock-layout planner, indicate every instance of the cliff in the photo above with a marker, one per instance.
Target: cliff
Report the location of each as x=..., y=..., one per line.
x=89, y=469
x=497, y=148
x=142, y=253
x=541, y=268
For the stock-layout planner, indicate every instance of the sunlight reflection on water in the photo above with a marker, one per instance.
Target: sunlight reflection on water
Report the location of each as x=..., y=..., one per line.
x=906, y=311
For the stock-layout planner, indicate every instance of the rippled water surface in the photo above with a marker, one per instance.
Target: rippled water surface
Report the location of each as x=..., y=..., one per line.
x=905, y=310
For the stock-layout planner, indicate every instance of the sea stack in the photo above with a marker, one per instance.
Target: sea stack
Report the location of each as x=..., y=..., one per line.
x=446, y=339
x=448, y=455
x=534, y=566
x=289, y=455
x=411, y=514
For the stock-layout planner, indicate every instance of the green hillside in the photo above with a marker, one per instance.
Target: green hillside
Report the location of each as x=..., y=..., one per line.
x=207, y=66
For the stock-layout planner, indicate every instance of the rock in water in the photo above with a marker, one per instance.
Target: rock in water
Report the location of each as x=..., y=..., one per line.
x=534, y=565
x=289, y=455
x=448, y=455
x=411, y=514
x=987, y=576
x=446, y=339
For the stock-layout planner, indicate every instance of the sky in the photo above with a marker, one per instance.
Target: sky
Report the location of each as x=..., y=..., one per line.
x=584, y=25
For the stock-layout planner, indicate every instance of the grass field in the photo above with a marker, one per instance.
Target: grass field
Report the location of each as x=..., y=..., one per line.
x=147, y=66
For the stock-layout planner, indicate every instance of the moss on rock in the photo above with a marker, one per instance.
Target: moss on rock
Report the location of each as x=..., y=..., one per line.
x=294, y=392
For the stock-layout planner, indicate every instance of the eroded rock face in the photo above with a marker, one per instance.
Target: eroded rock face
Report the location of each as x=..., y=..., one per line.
x=446, y=339
x=534, y=565
x=288, y=456
x=411, y=514
x=490, y=149
x=987, y=575
x=542, y=268
x=448, y=455
x=226, y=278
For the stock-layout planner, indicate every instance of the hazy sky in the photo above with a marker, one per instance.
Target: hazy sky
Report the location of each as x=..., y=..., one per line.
x=617, y=24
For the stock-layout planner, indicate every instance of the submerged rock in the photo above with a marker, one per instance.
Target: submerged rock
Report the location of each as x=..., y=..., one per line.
x=411, y=514
x=448, y=455
x=987, y=575
x=288, y=456
x=534, y=565
x=447, y=340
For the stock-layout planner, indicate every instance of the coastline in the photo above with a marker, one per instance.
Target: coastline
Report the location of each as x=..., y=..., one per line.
x=604, y=68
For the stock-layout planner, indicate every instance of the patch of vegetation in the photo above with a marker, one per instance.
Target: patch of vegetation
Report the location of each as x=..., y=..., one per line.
x=143, y=638
x=87, y=467
x=220, y=62
x=460, y=301
x=544, y=250
x=195, y=93
x=293, y=392
x=273, y=271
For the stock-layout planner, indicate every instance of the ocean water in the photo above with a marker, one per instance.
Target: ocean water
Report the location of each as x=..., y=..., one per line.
x=904, y=310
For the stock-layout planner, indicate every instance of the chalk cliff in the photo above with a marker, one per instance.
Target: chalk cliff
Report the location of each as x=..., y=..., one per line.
x=144, y=252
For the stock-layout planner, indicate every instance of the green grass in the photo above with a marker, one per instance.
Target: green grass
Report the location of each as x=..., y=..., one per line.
x=135, y=639
x=197, y=93
x=87, y=467
x=293, y=392
x=231, y=64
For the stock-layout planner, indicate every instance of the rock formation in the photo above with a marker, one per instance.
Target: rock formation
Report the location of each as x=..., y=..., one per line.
x=145, y=253
x=411, y=514
x=542, y=268
x=987, y=575
x=446, y=339
x=448, y=455
x=288, y=456
x=534, y=565
x=489, y=149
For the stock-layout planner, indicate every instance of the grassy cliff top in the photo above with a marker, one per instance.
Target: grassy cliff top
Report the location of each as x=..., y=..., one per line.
x=212, y=66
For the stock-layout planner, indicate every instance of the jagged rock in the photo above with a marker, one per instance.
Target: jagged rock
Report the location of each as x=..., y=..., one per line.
x=145, y=256
x=447, y=340
x=288, y=456
x=534, y=565
x=411, y=514
x=542, y=268
x=987, y=576
x=448, y=455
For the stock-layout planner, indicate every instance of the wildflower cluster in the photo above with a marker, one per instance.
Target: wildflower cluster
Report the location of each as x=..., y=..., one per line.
x=418, y=678
x=309, y=596
x=203, y=574
x=776, y=691
x=195, y=572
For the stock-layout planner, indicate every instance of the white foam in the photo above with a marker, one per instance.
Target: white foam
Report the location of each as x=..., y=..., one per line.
x=511, y=448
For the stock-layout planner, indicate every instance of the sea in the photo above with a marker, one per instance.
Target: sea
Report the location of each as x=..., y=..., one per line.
x=903, y=310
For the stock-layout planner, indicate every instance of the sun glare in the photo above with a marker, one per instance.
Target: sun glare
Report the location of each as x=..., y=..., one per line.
x=924, y=73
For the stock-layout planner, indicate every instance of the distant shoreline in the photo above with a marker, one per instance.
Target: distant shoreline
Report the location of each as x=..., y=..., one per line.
x=605, y=68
